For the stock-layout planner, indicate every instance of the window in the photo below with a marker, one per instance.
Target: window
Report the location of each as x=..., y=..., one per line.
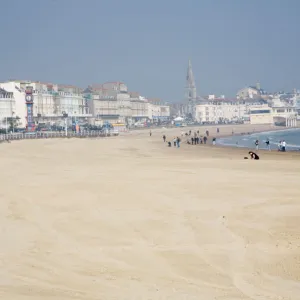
x=262, y=111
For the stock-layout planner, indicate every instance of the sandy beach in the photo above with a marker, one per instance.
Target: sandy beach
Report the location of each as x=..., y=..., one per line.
x=129, y=218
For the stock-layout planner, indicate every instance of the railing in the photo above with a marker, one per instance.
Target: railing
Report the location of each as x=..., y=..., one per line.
x=46, y=135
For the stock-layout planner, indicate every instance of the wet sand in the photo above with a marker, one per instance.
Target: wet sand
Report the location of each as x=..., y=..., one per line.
x=129, y=218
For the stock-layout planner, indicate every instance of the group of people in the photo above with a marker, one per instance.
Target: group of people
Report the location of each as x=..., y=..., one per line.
x=267, y=144
x=196, y=138
x=192, y=138
x=281, y=145
x=176, y=141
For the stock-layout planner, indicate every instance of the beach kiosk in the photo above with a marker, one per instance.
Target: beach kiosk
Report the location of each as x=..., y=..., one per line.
x=179, y=122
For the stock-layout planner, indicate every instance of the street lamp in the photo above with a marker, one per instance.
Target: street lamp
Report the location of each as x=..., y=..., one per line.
x=75, y=117
x=12, y=122
x=65, y=115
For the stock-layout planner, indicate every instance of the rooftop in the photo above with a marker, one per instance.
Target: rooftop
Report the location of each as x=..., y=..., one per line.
x=4, y=92
x=69, y=86
x=134, y=94
x=261, y=91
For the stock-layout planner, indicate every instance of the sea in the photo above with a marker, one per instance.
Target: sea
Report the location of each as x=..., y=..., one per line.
x=247, y=140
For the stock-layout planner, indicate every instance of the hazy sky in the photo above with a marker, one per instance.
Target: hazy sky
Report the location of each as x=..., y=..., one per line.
x=147, y=44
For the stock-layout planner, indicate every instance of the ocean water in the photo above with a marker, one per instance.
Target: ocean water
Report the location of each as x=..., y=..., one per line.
x=291, y=136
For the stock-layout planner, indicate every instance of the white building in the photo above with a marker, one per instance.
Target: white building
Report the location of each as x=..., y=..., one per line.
x=71, y=104
x=159, y=112
x=285, y=115
x=51, y=101
x=224, y=110
x=279, y=114
x=7, y=108
x=124, y=106
x=153, y=112
x=221, y=112
x=104, y=108
x=140, y=109
x=296, y=101
x=109, y=104
x=260, y=115
x=19, y=96
x=248, y=92
x=113, y=103
x=251, y=92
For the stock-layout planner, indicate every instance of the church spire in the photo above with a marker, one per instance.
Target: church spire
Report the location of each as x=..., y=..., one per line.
x=191, y=93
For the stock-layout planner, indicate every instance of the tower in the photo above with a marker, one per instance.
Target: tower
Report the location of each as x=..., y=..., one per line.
x=29, y=108
x=190, y=91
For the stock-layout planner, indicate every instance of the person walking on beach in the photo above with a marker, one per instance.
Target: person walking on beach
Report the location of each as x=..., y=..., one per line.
x=178, y=142
x=205, y=139
x=150, y=133
x=174, y=141
x=164, y=138
x=256, y=144
x=283, y=146
x=207, y=133
x=218, y=130
x=268, y=144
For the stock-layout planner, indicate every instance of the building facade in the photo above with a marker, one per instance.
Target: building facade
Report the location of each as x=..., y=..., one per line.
x=248, y=92
x=111, y=102
x=285, y=116
x=222, y=110
x=19, y=97
x=51, y=101
x=140, y=108
x=7, y=108
x=261, y=115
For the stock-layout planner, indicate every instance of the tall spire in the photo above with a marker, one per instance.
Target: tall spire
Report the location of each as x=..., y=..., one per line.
x=191, y=93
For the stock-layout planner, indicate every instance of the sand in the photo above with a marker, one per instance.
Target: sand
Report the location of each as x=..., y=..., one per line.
x=129, y=218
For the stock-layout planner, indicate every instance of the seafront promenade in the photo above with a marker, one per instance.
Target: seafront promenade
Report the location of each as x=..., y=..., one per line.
x=46, y=135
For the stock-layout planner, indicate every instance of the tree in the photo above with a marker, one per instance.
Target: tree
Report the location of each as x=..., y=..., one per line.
x=13, y=123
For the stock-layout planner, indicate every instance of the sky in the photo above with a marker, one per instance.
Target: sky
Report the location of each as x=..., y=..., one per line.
x=147, y=44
